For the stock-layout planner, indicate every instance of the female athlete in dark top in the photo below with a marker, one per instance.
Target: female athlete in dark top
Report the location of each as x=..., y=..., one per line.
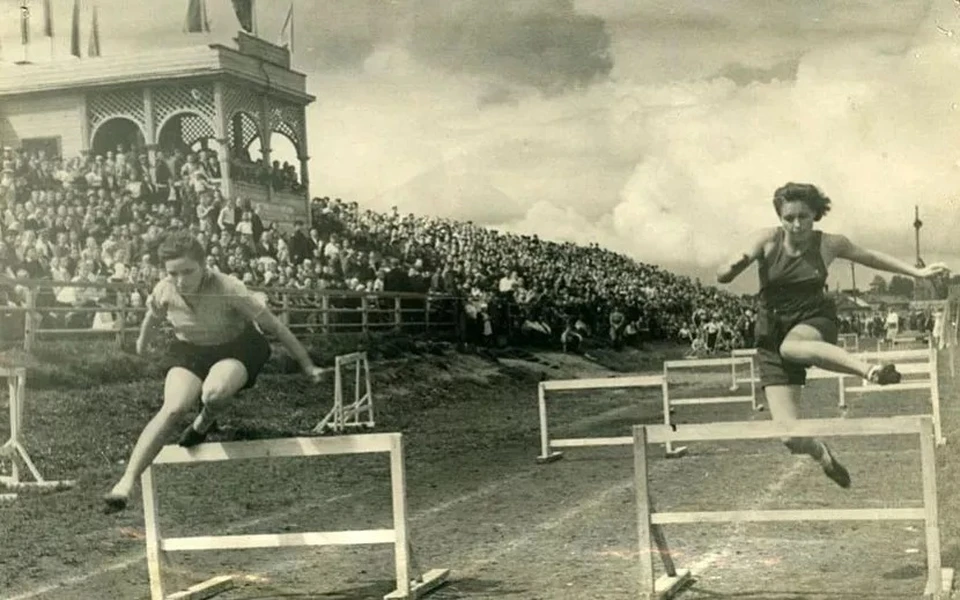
x=797, y=322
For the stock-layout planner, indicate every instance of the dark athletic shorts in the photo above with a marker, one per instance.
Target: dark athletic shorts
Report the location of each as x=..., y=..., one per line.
x=772, y=327
x=250, y=348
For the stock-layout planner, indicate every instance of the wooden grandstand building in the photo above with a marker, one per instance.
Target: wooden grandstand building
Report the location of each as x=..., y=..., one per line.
x=207, y=97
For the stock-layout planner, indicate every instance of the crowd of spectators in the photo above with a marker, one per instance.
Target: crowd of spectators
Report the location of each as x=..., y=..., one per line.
x=101, y=218
x=283, y=177
x=519, y=287
x=880, y=324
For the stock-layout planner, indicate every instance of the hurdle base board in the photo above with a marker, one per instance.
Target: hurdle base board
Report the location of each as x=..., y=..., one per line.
x=946, y=587
x=46, y=486
x=205, y=589
x=893, y=387
x=678, y=452
x=667, y=587
x=549, y=458
x=430, y=581
x=324, y=428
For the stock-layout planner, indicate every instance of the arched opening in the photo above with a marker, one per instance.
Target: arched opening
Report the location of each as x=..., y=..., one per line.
x=285, y=164
x=183, y=131
x=245, y=153
x=116, y=132
x=191, y=134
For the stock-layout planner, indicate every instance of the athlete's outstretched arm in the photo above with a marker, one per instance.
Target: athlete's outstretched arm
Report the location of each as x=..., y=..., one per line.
x=844, y=248
x=270, y=323
x=732, y=268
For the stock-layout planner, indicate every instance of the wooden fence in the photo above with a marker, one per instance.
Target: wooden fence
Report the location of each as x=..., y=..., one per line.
x=33, y=312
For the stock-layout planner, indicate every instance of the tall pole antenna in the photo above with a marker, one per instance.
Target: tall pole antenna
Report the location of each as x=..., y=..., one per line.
x=917, y=224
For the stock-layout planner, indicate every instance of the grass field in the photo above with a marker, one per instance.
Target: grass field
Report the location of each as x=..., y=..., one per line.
x=507, y=527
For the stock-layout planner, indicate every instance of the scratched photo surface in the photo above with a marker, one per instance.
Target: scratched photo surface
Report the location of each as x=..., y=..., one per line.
x=496, y=228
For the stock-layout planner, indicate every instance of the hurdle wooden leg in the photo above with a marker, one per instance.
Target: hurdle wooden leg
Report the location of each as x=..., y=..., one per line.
x=668, y=450
x=734, y=384
x=644, y=534
x=355, y=412
x=406, y=588
x=753, y=386
x=369, y=392
x=935, y=588
x=546, y=455
x=152, y=533
x=935, y=395
x=338, y=425
x=649, y=534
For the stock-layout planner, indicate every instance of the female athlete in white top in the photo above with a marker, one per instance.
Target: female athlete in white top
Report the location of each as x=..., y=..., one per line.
x=218, y=350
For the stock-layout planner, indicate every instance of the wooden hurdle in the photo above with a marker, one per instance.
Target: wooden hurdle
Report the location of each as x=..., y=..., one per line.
x=849, y=342
x=359, y=413
x=547, y=454
x=939, y=580
x=735, y=381
x=391, y=443
x=668, y=404
x=928, y=367
x=13, y=449
x=915, y=337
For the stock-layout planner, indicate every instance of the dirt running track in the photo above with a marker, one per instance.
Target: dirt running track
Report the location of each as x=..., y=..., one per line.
x=507, y=528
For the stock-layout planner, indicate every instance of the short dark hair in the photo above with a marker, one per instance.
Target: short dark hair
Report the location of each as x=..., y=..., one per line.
x=181, y=244
x=807, y=193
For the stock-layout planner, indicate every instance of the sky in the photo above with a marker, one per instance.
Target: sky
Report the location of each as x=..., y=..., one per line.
x=655, y=128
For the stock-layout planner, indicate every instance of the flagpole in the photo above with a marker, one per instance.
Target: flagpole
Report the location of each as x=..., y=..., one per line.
x=253, y=17
x=25, y=29
x=48, y=25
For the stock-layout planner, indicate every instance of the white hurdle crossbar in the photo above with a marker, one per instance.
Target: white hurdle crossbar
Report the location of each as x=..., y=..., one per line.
x=13, y=449
x=939, y=580
x=391, y=443
x=359, y=413
x=668, y=404
x=547, y=444
x=928, y=367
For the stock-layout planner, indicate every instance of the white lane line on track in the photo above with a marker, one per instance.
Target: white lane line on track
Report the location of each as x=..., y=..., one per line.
x=595, y=500
x=735, y=540
x=136, y=557
x=133, y=558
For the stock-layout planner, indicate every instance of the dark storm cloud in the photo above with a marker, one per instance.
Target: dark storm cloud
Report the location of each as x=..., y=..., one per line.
x=546, y=45
x=745, y=75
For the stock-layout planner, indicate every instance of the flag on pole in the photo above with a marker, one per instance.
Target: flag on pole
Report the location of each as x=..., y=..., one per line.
x=94, y=48
x=196, y=17
x=47, y=19
x=244, y=11
x=24, y=23
x=286, y=32
x=75, y=30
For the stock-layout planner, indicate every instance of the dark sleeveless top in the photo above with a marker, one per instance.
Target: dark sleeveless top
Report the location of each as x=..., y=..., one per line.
x=794, y=284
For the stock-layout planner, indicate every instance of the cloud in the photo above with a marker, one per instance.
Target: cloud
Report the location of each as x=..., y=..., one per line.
x=877, y=133
x=546, y=45
x=658, y=128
